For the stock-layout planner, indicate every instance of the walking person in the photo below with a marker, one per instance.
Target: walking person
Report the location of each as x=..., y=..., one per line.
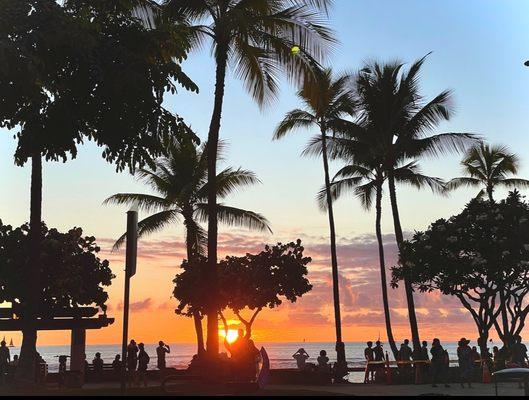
x=438, y=364
x=5, y=359
x=143, y=363
x=369, y=355
x=466, y=362
x=132, y=361
x=161, y=351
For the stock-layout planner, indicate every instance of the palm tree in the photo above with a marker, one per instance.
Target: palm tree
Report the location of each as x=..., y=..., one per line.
x=180, y=181
x=399, y=120
x=489, y=167
x=327, y=101
x=366, y=182
x=256, y=37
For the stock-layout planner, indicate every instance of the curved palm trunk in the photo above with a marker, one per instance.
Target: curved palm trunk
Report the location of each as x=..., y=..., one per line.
x=383, y=280
x=407, y=285
x=26, y=367
x=212, y=146
x=340, y=347
x=196, y=316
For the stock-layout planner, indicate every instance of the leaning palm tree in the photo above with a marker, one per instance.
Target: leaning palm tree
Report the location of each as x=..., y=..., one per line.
x=399, y=121
x=180, y=181
x=256, y=37
x=327, y=102
x=366, y=182
x=489, y=167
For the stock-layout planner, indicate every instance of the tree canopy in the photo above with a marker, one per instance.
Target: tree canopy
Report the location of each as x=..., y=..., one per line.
x=88, y=70
x=72, y=274
x=474, y=256
x=254, y=282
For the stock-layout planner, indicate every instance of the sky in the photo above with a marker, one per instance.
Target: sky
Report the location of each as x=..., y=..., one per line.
x=478, y=46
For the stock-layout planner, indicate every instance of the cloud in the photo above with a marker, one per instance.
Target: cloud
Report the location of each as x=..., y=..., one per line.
x=138, y=306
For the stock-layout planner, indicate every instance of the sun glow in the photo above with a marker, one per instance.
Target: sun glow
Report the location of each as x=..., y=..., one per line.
x=231, y=336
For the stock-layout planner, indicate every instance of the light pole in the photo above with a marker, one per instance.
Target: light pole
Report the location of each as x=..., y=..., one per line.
x=130, y=271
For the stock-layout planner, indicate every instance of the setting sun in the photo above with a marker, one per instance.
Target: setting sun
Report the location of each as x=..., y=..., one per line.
x=231, y=336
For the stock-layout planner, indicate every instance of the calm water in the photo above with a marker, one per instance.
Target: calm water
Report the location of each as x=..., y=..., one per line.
x=280, y=354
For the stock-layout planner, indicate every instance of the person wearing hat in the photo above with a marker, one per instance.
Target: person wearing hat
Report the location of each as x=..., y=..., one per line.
x=466, y=362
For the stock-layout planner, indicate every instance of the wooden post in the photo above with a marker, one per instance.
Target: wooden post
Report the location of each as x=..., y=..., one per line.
x=78, y=350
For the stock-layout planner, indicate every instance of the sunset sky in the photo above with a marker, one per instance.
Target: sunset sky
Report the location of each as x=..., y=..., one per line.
x=479, y=47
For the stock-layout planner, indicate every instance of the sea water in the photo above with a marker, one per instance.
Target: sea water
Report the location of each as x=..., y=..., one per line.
x=280, y=354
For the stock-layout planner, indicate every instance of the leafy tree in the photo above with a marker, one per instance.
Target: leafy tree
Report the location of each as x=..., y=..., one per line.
x=65, y=76
x=489, y=167
x=256, y=37
x=328, y=100
x=180, y=181
x=474, y=256
x=366, y=181
x=253, y=282
x=72, y=274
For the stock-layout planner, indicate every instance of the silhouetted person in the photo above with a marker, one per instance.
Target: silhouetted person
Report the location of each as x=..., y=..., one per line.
x=368, y=352
x=301, y=357
x=323, y=362
x=405, y=351
x=97, y=366
x=14, y=363
x=5, y=359
x=519, y=352
x=143, y=363
x=116, y=364
x=499, y=359
x=466, y=362
x=438, y=363
x=132, y=361
x=378, y=351
x=424, y=351
x=161, y=351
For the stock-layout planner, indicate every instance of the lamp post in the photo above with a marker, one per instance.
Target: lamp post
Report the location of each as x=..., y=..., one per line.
x=130, y=271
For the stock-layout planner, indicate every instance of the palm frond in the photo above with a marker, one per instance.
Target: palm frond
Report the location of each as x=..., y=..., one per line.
x=145, y=202
x=232, y=216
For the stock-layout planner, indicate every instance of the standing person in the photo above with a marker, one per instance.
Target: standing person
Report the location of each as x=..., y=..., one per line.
x=466, y=362
x=519, y=352
x=161, y=351
x=369, y=355
x=424, y=351
x=132, y=361
x=143, y=363
x=5, y=359
x=404, y=356
x=323, y=362
x=97, y=366
x=438, y=363
x=378, y=351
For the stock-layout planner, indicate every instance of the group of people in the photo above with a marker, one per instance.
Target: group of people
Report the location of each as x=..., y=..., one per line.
x=436, y=362
x=138, y=361
x=301, y=357
x=244, y=357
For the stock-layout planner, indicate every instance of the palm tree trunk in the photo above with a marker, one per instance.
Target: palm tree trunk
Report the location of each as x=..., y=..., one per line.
x=188, y=215
x=407, y=285
x=383, y=280
x=340, y=348
x=25, y=371
x=212, y=147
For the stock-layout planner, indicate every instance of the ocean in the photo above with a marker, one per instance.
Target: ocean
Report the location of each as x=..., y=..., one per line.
x=280, y=354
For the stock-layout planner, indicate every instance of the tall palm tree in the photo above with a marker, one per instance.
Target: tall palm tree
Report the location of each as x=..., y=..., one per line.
x=327, y=101
x=488, y=167
x=366, y=182
x=256, y=37
x=389, y=102
x=180, y=181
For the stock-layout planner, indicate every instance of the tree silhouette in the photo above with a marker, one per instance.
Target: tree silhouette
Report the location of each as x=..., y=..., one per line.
x=366, y=182
x=327, y=101
x=256, y=38
x=489, y=167
x=65, y=76
x=179, y=179
x=475, y=256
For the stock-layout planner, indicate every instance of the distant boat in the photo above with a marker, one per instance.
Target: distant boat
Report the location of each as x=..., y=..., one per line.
x=11, y=343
